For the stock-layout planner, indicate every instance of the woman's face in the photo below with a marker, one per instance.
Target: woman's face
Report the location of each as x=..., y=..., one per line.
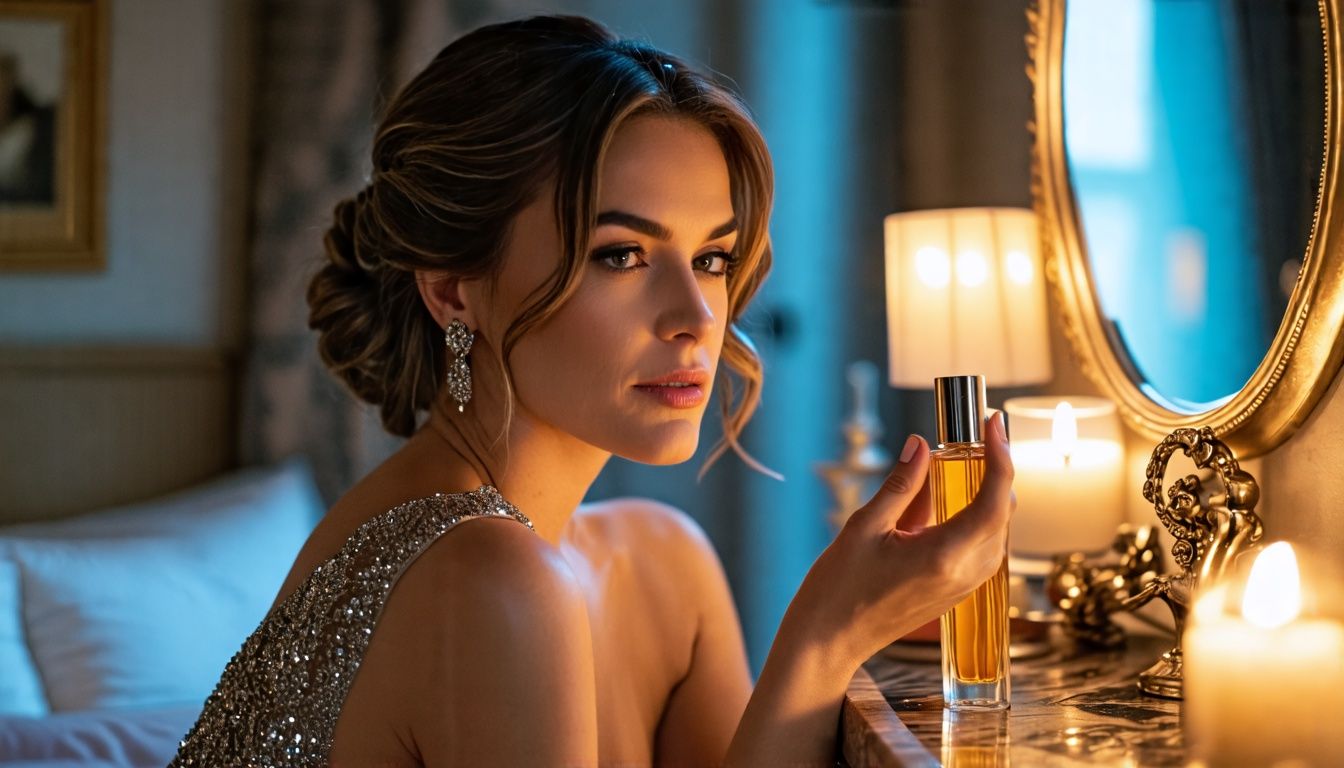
x=628, y=362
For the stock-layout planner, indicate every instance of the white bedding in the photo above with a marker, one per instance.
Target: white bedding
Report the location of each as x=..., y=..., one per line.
x=115, y=625
x=123, y=737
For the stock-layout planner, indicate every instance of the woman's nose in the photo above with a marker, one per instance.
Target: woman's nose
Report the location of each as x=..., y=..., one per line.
x=683, y=308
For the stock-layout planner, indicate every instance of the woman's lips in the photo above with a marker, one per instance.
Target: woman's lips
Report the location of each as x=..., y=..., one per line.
x=674, y=396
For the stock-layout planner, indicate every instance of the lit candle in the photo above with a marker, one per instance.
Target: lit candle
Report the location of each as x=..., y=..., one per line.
x=1069, y=482
x=1264, y=686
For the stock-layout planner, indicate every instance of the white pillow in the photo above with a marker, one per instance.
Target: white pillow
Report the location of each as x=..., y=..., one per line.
x=122, y=738
x=143, y=605
x=20, y=688
x=180, y=511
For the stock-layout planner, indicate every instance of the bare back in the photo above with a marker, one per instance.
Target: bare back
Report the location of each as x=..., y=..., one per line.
x=640, y=632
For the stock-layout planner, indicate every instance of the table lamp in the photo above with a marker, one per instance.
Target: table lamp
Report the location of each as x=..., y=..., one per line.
x=965, y=295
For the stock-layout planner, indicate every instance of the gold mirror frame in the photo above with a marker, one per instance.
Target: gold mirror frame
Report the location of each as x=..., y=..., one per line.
x=1302, y=359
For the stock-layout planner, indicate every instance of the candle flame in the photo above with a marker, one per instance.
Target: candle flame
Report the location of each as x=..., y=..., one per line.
x=1273, y=590
x=1064, y=430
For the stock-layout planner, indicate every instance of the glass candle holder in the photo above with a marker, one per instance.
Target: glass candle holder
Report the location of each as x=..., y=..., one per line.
x=1069, y=456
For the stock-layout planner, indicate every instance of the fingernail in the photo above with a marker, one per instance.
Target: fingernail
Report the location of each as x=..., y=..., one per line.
x=1003, y=426
x=908, y=452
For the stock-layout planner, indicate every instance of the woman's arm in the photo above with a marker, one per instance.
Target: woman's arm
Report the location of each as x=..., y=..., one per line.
x=793, y=716
x=704, y=708
x=887, y=572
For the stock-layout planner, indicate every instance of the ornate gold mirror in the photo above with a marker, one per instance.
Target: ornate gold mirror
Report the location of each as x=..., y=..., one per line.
x=1185, y=165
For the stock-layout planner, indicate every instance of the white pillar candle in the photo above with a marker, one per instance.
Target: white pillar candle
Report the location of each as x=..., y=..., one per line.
x=1070, y=469
x=1263, y=685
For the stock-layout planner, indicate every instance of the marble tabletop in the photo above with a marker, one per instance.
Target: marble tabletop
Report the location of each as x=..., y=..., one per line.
x=1070, y=707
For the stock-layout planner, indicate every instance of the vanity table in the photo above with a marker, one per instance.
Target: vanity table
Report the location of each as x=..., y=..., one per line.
x=1070, y=707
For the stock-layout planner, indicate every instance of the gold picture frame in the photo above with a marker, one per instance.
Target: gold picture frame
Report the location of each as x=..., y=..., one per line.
x=52, y=136
x=1305, y=355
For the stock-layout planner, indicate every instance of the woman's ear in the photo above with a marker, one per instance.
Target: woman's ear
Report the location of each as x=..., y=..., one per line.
x=445, y=297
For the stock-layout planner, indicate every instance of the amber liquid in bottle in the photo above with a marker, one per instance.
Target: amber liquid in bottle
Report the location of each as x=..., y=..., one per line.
x=975, y=631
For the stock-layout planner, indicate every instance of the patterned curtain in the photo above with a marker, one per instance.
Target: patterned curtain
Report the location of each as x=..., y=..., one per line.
x=322, y=79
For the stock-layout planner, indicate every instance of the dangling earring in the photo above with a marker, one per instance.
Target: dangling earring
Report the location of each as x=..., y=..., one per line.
x=459, y=339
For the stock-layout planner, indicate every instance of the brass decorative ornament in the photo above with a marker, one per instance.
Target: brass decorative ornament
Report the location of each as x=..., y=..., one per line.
x=1303, y=357
x=1089, y=591
x=1210, y=531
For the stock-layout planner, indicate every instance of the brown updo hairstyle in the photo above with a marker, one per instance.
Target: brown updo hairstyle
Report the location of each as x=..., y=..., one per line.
x=467, y=144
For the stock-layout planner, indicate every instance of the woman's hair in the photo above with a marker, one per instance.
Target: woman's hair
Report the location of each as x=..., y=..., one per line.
x=471, y=141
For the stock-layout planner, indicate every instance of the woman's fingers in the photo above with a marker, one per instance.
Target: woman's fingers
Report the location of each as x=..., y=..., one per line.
x=919, y=514
x=904, y=500
x=996, y=490
x=988, y=515
x=899, y=490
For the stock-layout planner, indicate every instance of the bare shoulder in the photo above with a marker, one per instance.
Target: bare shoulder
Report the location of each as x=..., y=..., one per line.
x=651, y=520
x=664, y=548
x=486, y=549
x=496, y=633
x=489, y=579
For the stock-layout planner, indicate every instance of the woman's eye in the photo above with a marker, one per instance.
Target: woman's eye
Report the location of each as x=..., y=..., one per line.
x=715, y=263
x=619, y=259
x=631, y=257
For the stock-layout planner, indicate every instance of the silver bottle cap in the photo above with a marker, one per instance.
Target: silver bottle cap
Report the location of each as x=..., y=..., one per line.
x=960, y=405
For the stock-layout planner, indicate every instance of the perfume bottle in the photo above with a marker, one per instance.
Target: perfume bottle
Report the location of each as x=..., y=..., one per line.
x=975, y=631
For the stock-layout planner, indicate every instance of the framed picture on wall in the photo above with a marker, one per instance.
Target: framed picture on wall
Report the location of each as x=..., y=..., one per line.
x=52, y=95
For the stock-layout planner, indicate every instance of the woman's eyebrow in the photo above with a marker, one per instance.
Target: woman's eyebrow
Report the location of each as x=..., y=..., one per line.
x=653, y=228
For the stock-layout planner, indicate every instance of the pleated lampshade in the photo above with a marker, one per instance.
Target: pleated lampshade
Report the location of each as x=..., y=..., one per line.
x=966, y=295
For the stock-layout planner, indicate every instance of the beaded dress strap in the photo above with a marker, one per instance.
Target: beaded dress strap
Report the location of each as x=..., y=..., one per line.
x=280, y=696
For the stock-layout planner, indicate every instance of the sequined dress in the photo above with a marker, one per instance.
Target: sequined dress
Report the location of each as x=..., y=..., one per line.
x=278, y=699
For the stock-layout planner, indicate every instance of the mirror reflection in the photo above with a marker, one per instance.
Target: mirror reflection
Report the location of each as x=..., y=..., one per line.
x=1194, y=141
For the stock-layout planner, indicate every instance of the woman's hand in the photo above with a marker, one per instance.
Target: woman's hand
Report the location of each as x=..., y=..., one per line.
x=887, y=572
x=890, y=570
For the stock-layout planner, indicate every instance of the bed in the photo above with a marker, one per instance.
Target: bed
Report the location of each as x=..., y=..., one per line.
x=135, y=556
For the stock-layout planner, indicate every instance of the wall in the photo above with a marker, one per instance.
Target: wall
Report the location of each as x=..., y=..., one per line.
x=1302, y=481
x=176, y=181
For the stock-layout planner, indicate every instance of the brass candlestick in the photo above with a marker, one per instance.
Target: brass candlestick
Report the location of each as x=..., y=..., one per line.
x=1210, y=530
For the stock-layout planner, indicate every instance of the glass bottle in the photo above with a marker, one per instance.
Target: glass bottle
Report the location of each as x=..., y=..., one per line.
x=975, y=631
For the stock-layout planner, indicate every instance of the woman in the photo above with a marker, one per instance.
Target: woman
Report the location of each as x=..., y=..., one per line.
x=560, y=231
